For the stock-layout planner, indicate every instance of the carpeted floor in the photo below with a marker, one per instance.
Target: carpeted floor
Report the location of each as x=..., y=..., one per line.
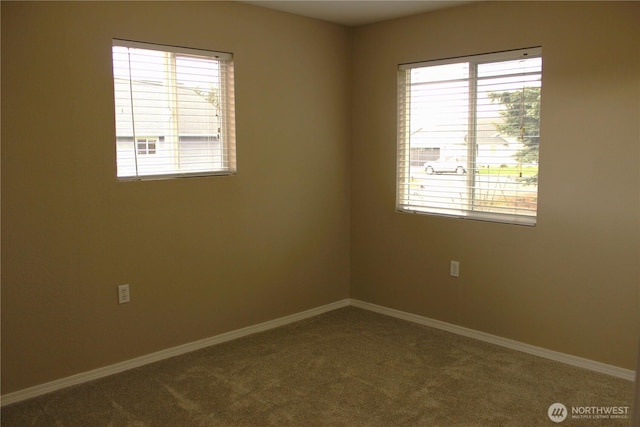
x=348, y=367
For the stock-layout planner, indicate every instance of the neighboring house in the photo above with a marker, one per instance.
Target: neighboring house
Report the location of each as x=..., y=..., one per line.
x=493, y=148
x=171, y=129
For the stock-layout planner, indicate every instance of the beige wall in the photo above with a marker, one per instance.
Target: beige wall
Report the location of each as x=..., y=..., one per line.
x=311, y=211
x=203, y=255
x=569, y=284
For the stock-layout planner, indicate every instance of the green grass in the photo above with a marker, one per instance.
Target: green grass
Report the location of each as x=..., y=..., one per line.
x=509, y=170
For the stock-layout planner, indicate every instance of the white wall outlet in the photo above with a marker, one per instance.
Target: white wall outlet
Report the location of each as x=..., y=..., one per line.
x=454, y=269
x=123, y=294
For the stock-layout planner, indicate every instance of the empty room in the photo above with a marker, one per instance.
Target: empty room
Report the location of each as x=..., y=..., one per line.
x=312, y=213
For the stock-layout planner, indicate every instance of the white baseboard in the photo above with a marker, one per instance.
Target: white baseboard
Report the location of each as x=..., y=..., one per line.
x=568, y=359
x=83, y=377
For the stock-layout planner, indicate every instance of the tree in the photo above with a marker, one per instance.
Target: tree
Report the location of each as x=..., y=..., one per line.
x=212, y=96
x=521, y=119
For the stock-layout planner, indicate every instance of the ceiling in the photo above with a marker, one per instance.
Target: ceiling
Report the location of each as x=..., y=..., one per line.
x=356, y=12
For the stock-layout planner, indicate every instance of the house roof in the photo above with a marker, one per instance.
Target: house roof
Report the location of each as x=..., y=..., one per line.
x=153, y=109
x=487, y=134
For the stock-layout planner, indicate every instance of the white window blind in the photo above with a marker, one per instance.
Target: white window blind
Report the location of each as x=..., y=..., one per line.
x=174, y=110
x=468, y=136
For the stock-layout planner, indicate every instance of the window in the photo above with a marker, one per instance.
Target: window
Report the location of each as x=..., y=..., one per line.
x=146, y=145
x=468, y=136
x=174, y=111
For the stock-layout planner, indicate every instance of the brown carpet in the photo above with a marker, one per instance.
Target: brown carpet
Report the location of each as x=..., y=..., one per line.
x=348, y=367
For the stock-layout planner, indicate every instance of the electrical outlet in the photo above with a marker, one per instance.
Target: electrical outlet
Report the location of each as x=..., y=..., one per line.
x=454, y=269
x=123, y=294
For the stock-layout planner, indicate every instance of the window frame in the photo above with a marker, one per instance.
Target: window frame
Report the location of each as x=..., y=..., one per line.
x=222, y=163
x=404, y=146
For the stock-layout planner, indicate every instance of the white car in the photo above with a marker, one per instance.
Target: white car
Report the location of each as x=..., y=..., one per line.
x=446, y=165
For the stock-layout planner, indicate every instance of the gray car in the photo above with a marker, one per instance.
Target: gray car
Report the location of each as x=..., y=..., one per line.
x=446, y=165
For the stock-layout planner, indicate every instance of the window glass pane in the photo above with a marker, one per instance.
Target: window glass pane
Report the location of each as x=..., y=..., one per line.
x=509, y=67
x=439, y=73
